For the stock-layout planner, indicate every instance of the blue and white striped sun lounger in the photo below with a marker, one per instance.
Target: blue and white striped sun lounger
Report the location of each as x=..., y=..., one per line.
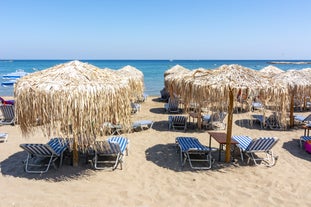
x=8, y=114
x=4, y=137
x=304, y=139
x=302, y=119
x=110, y=151
x=177, y=122
x=251, y=146
x=191, y=146
x=172, y=106
x=38, y=153
x=299, y=118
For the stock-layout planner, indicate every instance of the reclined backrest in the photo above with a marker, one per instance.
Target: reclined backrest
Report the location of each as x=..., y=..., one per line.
x=262, y=144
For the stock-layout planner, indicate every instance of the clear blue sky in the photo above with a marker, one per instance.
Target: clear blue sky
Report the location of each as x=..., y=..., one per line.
x=155, y=29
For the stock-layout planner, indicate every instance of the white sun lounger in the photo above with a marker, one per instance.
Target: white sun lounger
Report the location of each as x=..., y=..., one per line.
x=4, y=137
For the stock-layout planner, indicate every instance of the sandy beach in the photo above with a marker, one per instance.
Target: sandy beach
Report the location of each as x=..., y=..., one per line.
x=152, y=175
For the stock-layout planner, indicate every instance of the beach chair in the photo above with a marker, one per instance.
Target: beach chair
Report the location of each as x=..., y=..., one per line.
x=192, y=150
x=109, y=153
x=41, y=156
x=164, y=95
x=177, y=122
x=299, y=119
x=260, y=119
x=172, y=106
x=218, y=120
x=256, y=105
x=273, y=122
x=303, y=139
x=112, y=129
x=207, y=121
x=142, y=124
x=252, y=147
x=142, y=98
x=4, y=137
x=135, y=107
x=8, y=114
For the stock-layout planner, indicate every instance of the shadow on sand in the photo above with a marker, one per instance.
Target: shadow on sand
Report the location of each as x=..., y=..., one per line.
x=294, y=148
x=167, y=156
x=14, y=166
x=158, y=111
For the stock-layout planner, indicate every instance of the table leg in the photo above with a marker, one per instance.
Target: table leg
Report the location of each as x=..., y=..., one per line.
x=220, y=149
x=233, y=150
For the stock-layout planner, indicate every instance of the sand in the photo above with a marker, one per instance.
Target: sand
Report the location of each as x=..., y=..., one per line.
x=152, y=175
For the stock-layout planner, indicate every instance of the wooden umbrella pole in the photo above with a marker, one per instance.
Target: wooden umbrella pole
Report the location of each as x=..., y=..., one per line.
x=199, y=118
x=304, y=103
x=229, y=126
x=291, y=121
x=75, y=154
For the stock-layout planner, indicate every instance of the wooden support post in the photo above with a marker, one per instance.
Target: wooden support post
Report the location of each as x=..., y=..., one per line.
x=291, y=113
x=229, y=126
x=75, y=153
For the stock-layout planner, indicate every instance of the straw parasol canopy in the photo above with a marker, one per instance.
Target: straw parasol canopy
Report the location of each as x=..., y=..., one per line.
x=271, y=70
x=297, y=84
x=71, y=100
x=174, y=73
x=220, y=85
x=135, y=80
x=175, y=70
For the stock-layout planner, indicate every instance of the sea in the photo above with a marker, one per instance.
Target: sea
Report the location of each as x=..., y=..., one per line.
x=153, y=70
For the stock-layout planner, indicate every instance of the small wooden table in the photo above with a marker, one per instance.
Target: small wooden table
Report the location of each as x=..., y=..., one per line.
x=221, y=138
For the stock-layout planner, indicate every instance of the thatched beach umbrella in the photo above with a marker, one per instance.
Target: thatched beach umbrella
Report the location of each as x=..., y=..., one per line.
x=271, y=70
x=174, y=73
x=135, y=78
x=221, y=84
x=296, y=83
x=72, y=100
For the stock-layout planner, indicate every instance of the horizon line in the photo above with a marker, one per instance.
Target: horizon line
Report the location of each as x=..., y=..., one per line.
x=69, y=59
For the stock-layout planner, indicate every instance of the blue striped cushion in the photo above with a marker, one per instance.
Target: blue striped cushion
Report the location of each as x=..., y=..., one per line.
x=243, y=141
x=305, y=138
x=59, y=145
x=173, y=104
x=122, y=142
x=187, y=143
x=179, y=119
x=54, y=147
x=261, y=144
x=8, y=111
x=104, y=147
x=37, y=149
x=299, y=118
